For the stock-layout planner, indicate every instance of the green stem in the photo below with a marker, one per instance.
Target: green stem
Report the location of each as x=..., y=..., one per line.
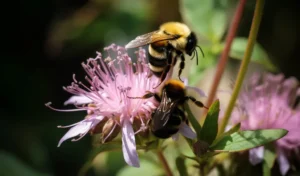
x=243, y=68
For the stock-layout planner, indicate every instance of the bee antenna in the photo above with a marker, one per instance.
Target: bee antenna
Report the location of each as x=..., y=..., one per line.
x=196, y=55
x=193, y=56
x=201, y=50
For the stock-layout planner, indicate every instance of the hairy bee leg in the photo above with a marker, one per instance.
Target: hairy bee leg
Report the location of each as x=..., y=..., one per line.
x=146, y=96
x=196, y=102
x=163, y=75
x=181, y=66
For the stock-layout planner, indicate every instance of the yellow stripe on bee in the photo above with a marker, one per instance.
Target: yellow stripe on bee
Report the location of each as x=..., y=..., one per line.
x=156, y=69
x=175, y=83
x=156, y=54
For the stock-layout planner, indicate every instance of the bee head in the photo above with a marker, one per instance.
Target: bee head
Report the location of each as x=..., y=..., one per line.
x=191, y=44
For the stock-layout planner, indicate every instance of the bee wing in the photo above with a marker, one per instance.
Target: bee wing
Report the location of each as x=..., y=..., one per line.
x=148, y=38
x=163, y=112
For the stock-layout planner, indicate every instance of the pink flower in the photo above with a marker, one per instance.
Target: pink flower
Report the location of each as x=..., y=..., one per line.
x=269, y=102
x=105, y=97
x=110, y=83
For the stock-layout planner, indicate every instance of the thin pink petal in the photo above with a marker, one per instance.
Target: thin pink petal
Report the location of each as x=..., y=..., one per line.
x=175, y=136
x=256, y=155
x=196, y=89
x=186, y=131
x=284, y=164
x=128, y=145
x=78, y=100
x=81, y=128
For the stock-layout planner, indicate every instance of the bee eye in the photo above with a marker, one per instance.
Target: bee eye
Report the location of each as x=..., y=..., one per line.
x=191, y=43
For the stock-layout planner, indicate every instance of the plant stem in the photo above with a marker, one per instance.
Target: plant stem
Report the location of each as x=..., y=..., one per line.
x=164, y=162
x=224, y=56
x=243, y=68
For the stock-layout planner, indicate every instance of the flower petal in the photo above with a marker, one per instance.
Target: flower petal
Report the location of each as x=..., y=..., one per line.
x=186, y=131
x=175, y=136
x=256, y=155
x=128, y=145
x=284, y=164
x=196, y=89
x=79, y=129
x=78, y=100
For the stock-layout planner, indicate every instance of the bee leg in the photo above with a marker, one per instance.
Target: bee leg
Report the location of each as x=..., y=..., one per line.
x=181, y=66
x=197, y=103
x=163, y=75
x=146, y=96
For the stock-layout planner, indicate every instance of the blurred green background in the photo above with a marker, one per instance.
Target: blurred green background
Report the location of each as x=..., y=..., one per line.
x=56, y=36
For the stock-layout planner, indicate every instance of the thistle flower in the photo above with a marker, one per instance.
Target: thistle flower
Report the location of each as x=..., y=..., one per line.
x=269, y=101
x=106, y=100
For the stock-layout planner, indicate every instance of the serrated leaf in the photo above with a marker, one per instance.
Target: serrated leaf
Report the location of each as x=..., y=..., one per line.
x=180, y=163
x=244, y=140
x=209, y=130
x=259, y=55
x=195, y=124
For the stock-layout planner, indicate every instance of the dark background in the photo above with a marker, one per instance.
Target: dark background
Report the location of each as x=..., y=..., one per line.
x=50, y=57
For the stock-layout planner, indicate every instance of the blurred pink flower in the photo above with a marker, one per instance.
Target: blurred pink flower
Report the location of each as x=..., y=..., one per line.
x=110, y=83
x=269, y=101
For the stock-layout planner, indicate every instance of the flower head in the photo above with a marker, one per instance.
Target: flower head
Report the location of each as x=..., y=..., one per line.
x=105, y=98
x=269, y=102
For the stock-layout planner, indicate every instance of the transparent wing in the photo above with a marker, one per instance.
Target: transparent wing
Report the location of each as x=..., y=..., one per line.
x=163, y=112
x=148, y=38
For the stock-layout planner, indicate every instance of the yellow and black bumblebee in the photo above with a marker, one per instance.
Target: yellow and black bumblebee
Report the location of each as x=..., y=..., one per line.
x=168, y=116
x=172, y=40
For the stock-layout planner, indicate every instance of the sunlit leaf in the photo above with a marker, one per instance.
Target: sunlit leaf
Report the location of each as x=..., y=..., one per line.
x=210, y=127
x=259, y=55
x=180, y=163
x=244, y=140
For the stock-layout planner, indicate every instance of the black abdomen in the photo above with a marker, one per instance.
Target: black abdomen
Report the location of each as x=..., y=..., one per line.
x=172, y=126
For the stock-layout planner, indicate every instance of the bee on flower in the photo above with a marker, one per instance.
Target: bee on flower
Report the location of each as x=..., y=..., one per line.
x=110, y=82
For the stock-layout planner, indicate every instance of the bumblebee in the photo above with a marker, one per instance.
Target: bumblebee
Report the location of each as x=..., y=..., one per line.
x=171, y=41
x=168, y=116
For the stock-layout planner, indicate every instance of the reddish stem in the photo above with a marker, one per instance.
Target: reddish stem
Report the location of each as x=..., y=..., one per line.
x=164, y=162
x=224, y=56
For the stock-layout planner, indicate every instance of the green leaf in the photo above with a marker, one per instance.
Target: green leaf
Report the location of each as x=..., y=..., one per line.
x=234, y=129
x=146, y=168
x=244, y=140
x=11, y=165
x=218, y=25
x=259, y=55
x=97, y=150
x=210, y=127
x=269, y=159
x=192, y=120
x=206, y=18
x=180, y=163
